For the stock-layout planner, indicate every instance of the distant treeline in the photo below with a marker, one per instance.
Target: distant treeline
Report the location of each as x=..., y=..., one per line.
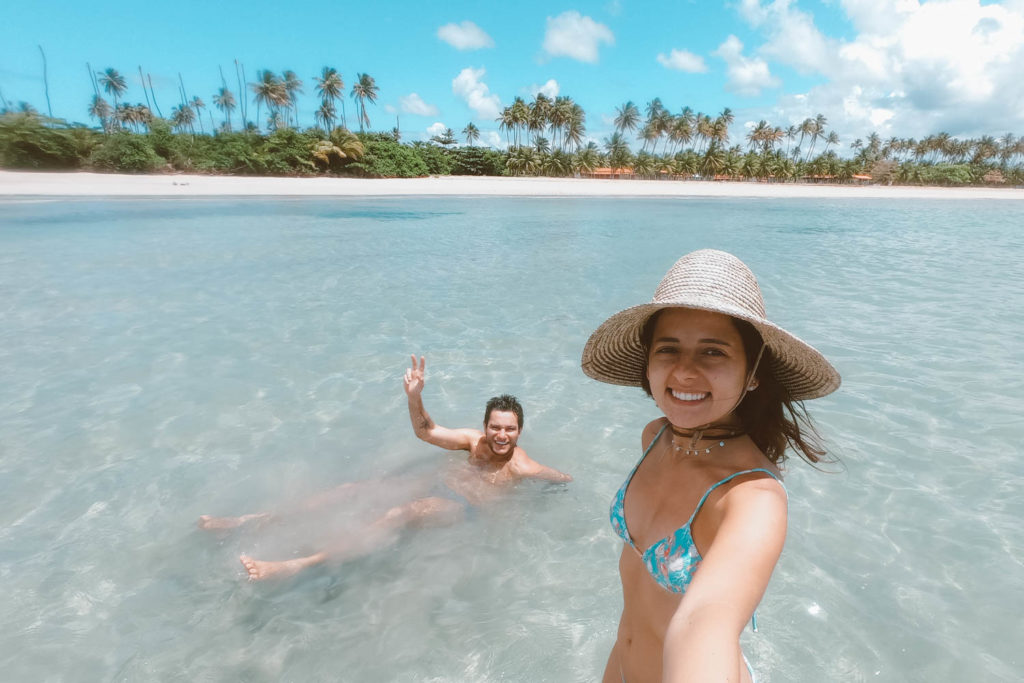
x=32, y=142
x=544, y=137
x=29, y=140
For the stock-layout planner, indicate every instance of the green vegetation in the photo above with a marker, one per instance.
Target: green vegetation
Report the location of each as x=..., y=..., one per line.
x=126, y=153
x=31, y=142
x=544, y=136
x=385, y=157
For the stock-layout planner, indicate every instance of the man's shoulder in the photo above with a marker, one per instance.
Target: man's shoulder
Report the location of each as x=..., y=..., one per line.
x=475, y=437
x=521, y=461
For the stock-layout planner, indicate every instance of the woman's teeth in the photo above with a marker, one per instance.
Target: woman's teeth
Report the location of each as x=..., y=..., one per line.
x=683, y=396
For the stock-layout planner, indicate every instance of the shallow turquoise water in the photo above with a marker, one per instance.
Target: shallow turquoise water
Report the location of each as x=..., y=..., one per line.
x=165, y=359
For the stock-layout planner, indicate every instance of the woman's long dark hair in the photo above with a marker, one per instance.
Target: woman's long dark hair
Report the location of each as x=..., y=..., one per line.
x=772, y=419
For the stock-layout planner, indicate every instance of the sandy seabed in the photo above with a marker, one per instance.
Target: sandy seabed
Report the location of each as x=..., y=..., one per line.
x=28, y=184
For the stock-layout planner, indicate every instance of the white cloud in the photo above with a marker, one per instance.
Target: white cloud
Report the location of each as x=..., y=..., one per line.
x=911, y=69
x=437, y=128
x=747, y=75
x=475, y=92
x=465, y=36
x=414, y=104
x=492, y=138
x=683, y=60
x=793, y=38
x=389, y=108
x=550, y=89
x=573, y=35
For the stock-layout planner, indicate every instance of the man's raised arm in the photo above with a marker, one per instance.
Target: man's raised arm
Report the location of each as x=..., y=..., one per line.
x=425, y=428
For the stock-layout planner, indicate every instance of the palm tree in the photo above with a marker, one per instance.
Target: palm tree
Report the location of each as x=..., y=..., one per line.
x=520, y=116
x=681, y=131
x=704, y=130
x=587, y=159
x=268, y=90
x=364, y=89
x=733, y=162
x=757, y=134
x=654, y=109
x=1007, y=147
x=645, y=165
x=141, y=116
x=816, y=129
x=576, y=128
x=805, y=129
x=649, y=134
x=557, y=164
x=113, y=82
x=347, y=142
x=713, y=161
x=558, y=116
x=790, y=134
x=340, y=144
x=472, y=133
x=832, y=139
x=331, y=87
x=523, y=161
x=617, y=150
x=655, y=125
x=183, y=116
x=198, y=104
x=985, y=148
x=224, y=100
x=123, y=116
x=275, y=121
x=325, y=114
x=100, y=109
x=720, y=131
x=292, y=86
x=507, y=125
x=627, y=118
x=685, y=163
x=539, y=114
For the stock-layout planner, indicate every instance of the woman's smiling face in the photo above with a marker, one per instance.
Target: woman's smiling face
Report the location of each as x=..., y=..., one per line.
x=696, y=366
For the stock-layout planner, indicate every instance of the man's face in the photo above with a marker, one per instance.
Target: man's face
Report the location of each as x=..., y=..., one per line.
x=502, y=432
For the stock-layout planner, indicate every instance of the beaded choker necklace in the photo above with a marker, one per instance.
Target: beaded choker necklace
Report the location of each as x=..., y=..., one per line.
x=695, y=436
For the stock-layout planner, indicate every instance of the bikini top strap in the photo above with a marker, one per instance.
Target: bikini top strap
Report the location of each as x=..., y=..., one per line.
x=726, y=480
x=644, y=456
x=654, y=441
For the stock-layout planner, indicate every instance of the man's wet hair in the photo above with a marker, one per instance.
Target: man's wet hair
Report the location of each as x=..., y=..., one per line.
x=506, y=404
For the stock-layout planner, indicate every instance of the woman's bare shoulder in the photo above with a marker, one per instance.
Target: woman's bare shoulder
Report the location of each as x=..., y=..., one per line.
x=652, y=428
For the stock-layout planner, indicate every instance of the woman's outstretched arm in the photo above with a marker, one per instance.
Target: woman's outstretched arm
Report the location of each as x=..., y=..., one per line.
x=702, y=641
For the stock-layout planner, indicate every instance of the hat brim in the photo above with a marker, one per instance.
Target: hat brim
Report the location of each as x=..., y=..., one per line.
x=614, y=353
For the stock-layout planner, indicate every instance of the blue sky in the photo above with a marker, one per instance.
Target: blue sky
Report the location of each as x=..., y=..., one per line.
x=899, y=67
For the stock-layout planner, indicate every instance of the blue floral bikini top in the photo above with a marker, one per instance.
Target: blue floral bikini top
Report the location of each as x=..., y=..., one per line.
x=673, y=560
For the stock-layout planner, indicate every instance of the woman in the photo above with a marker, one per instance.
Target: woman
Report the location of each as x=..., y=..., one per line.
x=703, y=514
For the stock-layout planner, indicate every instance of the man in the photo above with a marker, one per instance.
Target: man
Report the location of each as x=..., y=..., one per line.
x=494, y=451
x=495, y=460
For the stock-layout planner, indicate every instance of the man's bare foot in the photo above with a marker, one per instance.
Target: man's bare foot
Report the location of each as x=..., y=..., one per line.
x=221, y=523
x=260, y=570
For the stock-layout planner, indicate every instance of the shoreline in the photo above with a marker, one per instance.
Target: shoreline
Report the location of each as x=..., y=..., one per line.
x=29, y=185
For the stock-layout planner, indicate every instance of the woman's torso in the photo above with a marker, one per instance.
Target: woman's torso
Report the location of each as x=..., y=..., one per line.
x=659, y=508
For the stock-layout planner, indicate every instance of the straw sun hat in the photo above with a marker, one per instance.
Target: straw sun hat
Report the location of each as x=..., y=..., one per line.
x=714, y=281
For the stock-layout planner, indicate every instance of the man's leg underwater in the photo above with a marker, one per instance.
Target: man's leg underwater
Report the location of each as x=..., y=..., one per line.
x=419, y=513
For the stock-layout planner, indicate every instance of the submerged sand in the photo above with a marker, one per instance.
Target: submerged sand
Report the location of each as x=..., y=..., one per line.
x=28, y=184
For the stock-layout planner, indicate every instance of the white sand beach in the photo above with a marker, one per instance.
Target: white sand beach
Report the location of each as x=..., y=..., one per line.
x=40, y=184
